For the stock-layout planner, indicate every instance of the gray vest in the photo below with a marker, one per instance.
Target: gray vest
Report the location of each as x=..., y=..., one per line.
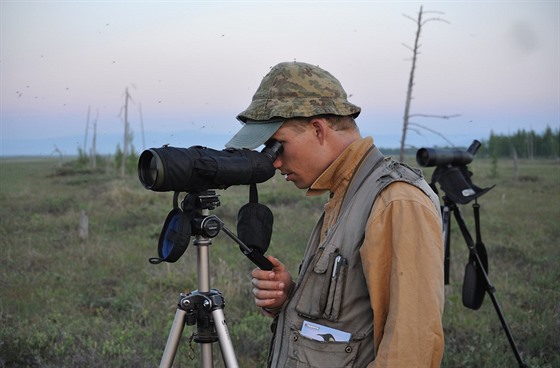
x=337, y=296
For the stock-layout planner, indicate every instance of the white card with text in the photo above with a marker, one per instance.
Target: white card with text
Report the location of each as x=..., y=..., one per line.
x=319, y=332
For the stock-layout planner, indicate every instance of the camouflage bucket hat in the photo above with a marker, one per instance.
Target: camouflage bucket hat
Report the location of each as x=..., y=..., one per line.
x=289, y=90
x=295, y=89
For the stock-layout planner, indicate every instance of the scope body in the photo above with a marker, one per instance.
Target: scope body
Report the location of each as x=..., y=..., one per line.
x=199, y=168
x=437, y=157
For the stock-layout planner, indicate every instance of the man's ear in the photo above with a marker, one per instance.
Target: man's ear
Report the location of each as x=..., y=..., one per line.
x=320, y=128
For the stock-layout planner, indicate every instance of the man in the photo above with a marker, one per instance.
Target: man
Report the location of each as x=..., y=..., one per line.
x=370, y=289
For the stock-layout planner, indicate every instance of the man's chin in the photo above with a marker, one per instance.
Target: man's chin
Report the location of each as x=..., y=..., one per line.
x=301, y=185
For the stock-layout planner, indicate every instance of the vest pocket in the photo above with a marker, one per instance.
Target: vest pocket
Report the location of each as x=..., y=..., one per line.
x=322, y=288
x=334, y=300
x=307, y=353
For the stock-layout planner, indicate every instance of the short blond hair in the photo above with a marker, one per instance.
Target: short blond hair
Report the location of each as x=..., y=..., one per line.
x=336, y=122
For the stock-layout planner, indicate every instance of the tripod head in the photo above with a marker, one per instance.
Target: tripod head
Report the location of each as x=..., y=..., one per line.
x=193, y=219
x=451, y=172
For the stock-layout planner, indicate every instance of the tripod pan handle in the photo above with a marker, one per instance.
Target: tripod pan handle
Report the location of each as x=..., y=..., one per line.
x=259, y=259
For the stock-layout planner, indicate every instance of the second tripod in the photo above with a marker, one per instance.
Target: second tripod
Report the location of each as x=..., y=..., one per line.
x=476, y=282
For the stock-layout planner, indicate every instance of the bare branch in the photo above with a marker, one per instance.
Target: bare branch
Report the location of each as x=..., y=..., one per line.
x=408, y=47
x=435, y=19
x=409, y=17
x=56, y=150
x=433, y=12
x=432, y=131
x=435, y=116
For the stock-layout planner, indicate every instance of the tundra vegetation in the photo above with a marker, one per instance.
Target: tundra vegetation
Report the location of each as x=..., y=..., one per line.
x=75, y=299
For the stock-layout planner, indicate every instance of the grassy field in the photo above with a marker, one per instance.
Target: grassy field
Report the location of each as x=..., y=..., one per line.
x=97, y=302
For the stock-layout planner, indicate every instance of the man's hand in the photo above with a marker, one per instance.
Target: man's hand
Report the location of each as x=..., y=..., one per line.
x=271, y=288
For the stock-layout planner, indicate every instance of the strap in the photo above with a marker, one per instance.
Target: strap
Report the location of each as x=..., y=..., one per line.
x=253, y=193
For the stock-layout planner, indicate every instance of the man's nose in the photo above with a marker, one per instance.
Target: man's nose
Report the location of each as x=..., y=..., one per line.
x=277, y=163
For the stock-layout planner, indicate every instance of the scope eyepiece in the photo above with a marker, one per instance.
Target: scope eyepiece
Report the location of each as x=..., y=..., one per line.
x=273, y=148
x=473, y=148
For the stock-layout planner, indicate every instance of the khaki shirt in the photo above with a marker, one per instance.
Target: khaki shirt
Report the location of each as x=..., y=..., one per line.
x=402, y=257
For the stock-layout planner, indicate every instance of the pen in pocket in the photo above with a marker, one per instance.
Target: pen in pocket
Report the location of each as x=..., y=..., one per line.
x=336, y=267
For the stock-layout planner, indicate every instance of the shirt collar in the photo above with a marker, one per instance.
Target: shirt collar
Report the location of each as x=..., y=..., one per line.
x=338, y=174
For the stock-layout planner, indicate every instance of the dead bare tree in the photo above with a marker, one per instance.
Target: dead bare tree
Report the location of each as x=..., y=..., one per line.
x=87, y=128
x=83, y=228
x=420, y=22
x=142, y=125
x=59, y=152
x=127, y=139
x=94, y=142
x=515, y=162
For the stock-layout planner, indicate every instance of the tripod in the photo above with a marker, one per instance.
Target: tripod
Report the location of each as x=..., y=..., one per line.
x=205, y=309
x=477, y=254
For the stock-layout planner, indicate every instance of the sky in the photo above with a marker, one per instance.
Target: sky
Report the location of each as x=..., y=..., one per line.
x=191, y=66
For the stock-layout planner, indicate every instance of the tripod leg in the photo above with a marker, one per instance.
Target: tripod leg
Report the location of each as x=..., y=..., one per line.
x=173, y=339
x=488, y=286
x=206, y=355
x=226, y=345
x=446, y=220
x=491, y=290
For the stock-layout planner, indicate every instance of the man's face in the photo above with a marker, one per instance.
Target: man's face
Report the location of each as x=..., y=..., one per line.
x=301, y=160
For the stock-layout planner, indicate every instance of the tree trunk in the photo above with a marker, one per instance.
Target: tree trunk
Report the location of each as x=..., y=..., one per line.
x=94, y=143
x=83, y=231
x=125, y=144
x=410, y=85
x=515, y=162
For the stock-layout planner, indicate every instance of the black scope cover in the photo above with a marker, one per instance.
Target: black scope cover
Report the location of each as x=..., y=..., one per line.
x=438, y=157
x=435, y=157
x=198, y=168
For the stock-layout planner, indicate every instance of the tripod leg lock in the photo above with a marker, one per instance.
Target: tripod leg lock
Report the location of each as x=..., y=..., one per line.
x=208, y=301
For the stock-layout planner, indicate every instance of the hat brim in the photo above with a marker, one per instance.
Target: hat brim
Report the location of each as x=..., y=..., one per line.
x=254, y=133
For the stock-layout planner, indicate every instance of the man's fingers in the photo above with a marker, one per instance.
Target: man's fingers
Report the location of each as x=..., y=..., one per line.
x=264, y=302
x=267, y=285
x=264, y=293
x=262, y=275
x=275, y=262
x=266, y=298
